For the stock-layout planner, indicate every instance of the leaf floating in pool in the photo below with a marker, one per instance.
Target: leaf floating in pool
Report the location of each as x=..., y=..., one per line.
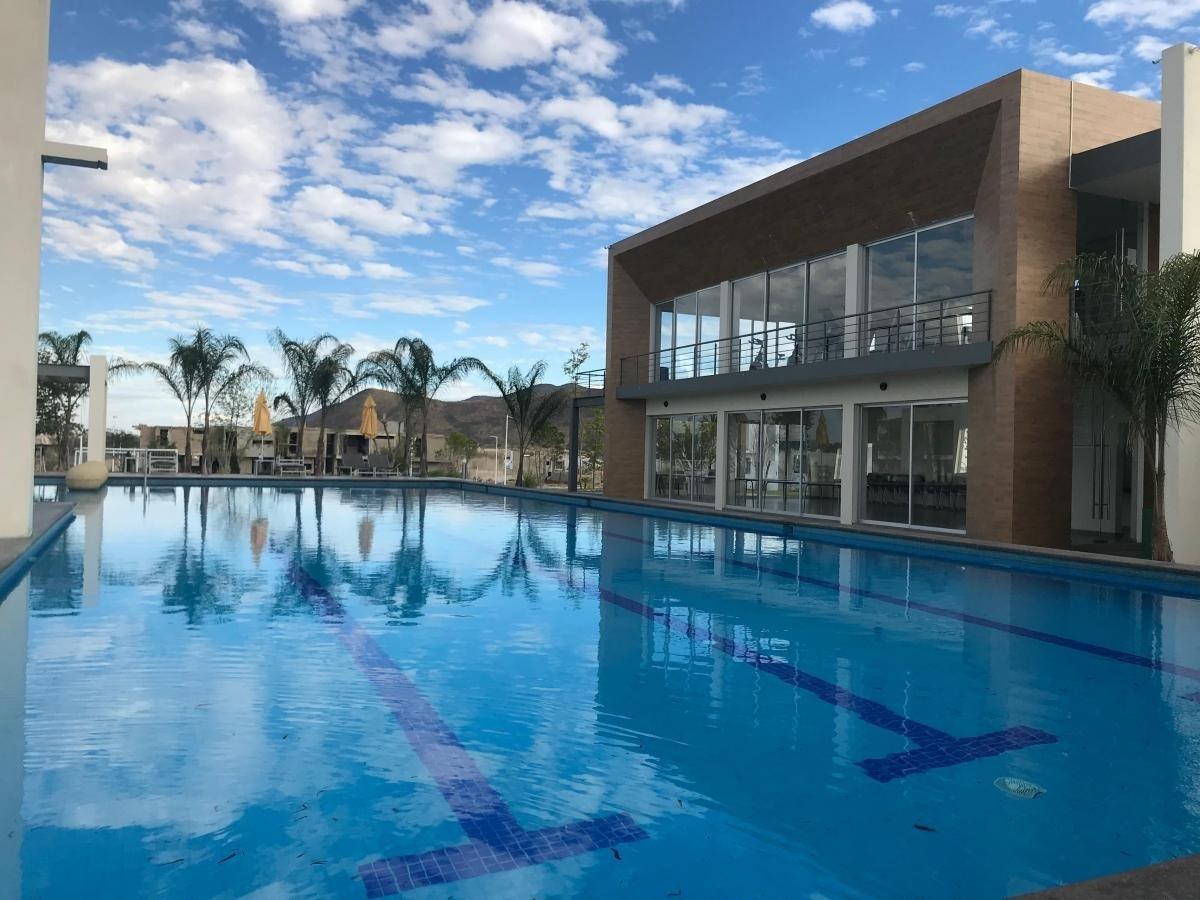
x=920, y=827
x=616, y=853
x=227, y=858
x=1019, y=787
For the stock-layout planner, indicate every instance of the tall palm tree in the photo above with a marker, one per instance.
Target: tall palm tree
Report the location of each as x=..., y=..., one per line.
x=1143, y=351
x=182, y=376
x=216, y=358
x=389, y=369
x=530, y=403
x=333, y=381
x=307, y=366
x=413, y=367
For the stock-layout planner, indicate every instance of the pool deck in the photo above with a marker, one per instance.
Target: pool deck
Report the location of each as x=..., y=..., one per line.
x=1177, y=879
x=17, y=554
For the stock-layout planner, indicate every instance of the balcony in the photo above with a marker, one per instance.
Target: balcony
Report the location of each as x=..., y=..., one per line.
x=935, y=334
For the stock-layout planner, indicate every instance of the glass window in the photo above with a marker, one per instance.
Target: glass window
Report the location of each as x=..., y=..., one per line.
x=704, y=458
x=685, y=336
x=884, y=466
x=681, y=457
x=744, y=430
x=665, y=332
x=749, y=317
x=939, y=464
x=662, y=457
x=891, y=269
x=782, y=460
x=821, y=462
x=826, y=307
x=945, y=271
x=785, y=311
x=708, y=309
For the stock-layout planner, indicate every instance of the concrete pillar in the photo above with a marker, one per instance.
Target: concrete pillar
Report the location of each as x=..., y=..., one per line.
x=722, y=467
x=23, y=65
x=14, y=637
x=1179, y=232
x=856, y=295
x=573, y=450
x=849, y=463
x=97, y=408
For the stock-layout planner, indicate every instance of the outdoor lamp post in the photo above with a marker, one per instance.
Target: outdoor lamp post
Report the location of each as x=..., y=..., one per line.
x=495, y=459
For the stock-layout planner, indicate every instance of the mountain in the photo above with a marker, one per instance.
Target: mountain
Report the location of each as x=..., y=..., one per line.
x=478, y=417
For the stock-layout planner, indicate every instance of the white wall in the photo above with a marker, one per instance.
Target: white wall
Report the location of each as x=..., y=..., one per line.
x=1179, y=231
x=24, y=49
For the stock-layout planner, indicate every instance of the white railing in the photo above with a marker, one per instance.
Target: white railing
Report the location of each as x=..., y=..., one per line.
x=139, y=460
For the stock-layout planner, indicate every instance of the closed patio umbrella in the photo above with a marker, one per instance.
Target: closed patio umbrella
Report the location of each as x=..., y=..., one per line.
x=262, y=421
x=370, y=420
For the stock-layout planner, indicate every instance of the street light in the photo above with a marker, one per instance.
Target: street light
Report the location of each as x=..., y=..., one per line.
x=506, y=418
x=495, y=459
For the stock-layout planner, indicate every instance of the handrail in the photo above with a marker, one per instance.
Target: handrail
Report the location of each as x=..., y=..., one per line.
x=961, y=319
x=592, y=380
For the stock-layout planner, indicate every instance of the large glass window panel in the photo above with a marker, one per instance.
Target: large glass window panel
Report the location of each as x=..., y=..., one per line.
x=884, y=461
x=945, y=270
x=749, y=317
x=662, y=457
x=664, y=314
x=744, y=455
x=824, y=334
x=708, y=311
x=681, y=457
x=704, y=458
x=782, y=460
x=821, y=462
x=939, y=465
x=685, y=336
x=891, y=267
x=785, y=311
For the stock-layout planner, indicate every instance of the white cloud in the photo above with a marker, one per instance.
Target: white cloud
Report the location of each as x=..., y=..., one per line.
x=328, y=216
x=307, y=10
x=417, y=305
x=1102, y=78
x=455, y=94
x=845, y=15
x=437, y=152
x=560, y=338
x=417, y=33
x=857, y=62
x=668, y=83
x=1048, y=51
x=537, y=271
x=382, y=270
x=950, y=10
x=206, y=37
x=512, y=33
x=914, y=67
x=92, y=239
x=494, y=340
x=1160, y=14
x=1149, y=48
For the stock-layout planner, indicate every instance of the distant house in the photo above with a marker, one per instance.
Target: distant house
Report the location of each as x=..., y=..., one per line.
x=344, y=443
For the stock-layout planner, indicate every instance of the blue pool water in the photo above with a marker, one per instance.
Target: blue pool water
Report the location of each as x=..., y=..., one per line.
x=271, y=692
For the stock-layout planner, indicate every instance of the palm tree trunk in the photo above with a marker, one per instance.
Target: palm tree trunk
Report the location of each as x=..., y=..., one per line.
x=1160, y=546
x=204, y=466
x=320, y=458
x=425, y=441
x=300, y=436
x=520, y=462
x=187, y=441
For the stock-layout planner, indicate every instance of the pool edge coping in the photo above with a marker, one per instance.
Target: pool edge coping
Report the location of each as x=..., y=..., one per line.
x=15, y=569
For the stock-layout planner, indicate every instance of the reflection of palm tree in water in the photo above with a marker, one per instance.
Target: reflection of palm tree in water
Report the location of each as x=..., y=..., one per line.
x=191, y=583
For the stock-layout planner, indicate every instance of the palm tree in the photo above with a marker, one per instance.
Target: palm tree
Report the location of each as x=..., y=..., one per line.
x=411, y=365
x=332, y=382
x=182, y=375
x=1144, y=352
x=310, y=366
x=57, y=401
x=532, y=405
x=215, y=357
x=389, y=369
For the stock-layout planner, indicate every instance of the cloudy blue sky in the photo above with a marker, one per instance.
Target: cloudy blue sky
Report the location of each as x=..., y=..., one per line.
x=454, y=168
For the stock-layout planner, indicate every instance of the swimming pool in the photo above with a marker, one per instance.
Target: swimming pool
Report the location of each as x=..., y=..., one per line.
x=230, y=691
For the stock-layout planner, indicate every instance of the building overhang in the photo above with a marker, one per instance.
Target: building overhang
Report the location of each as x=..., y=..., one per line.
x=1126, y=169
x=69, y=374
x=61, y=154
x=957, y=356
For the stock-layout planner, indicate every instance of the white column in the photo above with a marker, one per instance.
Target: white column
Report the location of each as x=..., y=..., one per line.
x=849, y=463
x=856, y=291
x=725, y=355
x=1179, y=232
x=24, y=53
x=722, y=466
x=14, y=635
x=97, y=408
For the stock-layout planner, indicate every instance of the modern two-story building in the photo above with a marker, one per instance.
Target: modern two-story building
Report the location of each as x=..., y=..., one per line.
x=820, y=343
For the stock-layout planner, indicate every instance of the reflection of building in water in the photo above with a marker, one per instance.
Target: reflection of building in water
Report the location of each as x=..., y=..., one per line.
x=14, y=636
x=89, y=506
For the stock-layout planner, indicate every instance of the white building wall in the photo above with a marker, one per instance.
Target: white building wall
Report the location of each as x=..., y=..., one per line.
x=1179, y=231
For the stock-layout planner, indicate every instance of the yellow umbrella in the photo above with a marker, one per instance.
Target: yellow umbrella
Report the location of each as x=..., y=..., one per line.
x=262, y=421
x=370, y=421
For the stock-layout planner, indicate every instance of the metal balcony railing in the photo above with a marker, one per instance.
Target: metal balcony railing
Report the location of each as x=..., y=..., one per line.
x=914, y=326
x=592, y=380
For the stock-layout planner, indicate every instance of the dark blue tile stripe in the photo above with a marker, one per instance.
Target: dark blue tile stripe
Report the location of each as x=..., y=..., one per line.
x=968, y=618
x=496, y=840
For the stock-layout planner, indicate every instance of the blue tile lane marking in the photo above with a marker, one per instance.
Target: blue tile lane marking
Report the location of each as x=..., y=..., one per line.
x=496, y=841
x=937, y=749
x=1044, y=636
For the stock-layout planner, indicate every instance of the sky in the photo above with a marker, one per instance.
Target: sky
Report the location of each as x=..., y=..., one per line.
x=455, y=169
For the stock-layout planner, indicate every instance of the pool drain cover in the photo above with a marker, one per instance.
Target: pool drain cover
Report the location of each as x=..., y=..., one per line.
x=1019, y=787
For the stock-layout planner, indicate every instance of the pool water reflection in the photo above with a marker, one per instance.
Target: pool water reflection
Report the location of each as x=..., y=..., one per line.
x=352, y=692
